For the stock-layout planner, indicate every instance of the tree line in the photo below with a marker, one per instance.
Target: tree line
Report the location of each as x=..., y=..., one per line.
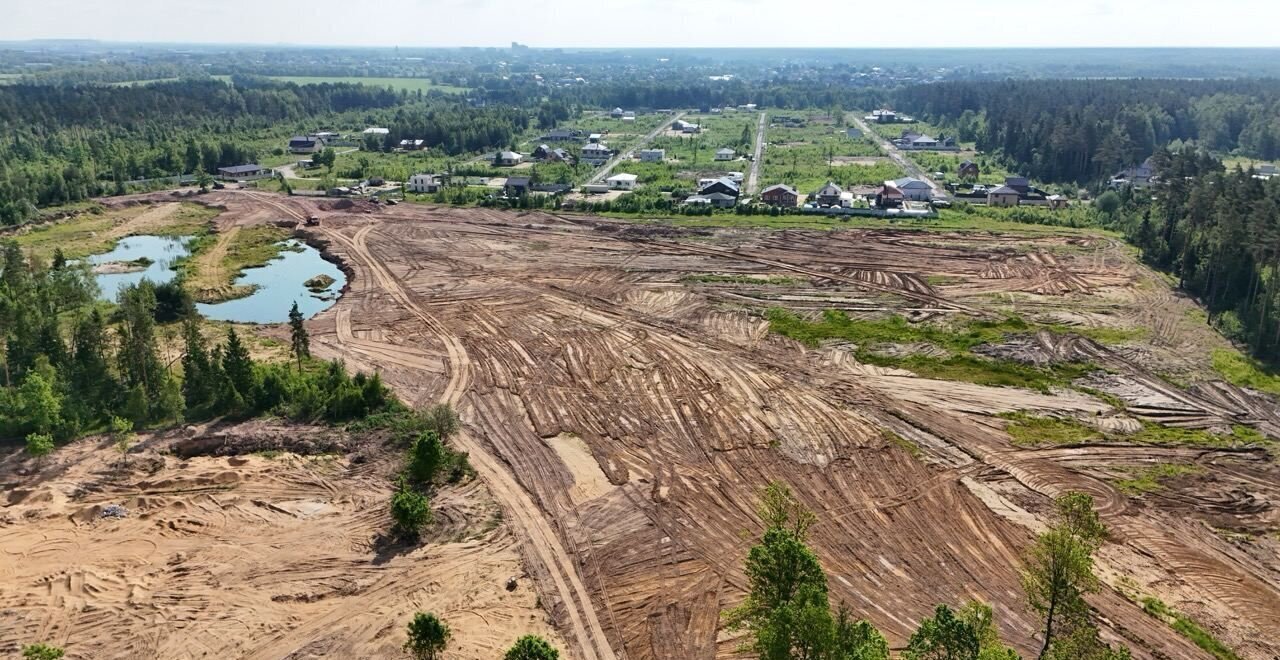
x=1218, y=232
x=1084, y=130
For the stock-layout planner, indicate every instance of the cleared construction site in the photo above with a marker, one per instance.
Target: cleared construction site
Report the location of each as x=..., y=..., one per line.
x=624, y=402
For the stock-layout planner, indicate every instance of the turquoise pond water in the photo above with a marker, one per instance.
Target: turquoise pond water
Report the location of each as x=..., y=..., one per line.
x=279, y=283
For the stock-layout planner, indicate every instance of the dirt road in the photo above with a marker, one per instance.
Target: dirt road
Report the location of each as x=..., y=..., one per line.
x=600, y=174
x=894, y=153
x=753, y=178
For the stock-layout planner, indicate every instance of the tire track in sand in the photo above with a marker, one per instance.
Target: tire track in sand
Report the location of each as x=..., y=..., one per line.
x=593, y=643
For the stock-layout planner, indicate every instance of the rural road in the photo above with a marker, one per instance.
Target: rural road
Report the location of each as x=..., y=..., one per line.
x=895, y=154
x=289, y=172
x=753, y=180
x=613, y=162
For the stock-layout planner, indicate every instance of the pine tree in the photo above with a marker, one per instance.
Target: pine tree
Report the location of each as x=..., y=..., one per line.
x=198, y=381
x=301, y=343
x=238, y=366
x=139, y=359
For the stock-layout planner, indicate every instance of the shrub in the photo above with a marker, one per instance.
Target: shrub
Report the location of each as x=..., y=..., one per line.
x=531, y=647
x=411, y=511
x=428, y=636
x=41, y=652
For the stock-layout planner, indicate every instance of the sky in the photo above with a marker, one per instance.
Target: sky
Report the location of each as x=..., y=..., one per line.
x=655, y=23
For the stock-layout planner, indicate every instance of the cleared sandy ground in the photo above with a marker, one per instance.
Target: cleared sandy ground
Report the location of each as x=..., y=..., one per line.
x=623, y=418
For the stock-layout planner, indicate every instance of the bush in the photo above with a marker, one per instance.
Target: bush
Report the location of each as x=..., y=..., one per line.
x=428, y=636
x=411, y=511
x=39, y=445
x=531, y=647
x=41, y=652
x=426, y=455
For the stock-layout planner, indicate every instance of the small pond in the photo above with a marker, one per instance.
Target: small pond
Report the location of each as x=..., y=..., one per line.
x=278, y=284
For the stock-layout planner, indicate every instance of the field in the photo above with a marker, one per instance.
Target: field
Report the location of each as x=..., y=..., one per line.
x=991, y=171
x=626, y=390
x=405, y=84
x=692, y=157
x=808, y=157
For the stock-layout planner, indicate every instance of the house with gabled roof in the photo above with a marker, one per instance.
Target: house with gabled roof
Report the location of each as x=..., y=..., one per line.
x=723, y=185
x=780, y=195
x=829, y=195
x=1003, y=196
x=912, y=188
x=968, y=171
x=305, y=144
x=726, y=154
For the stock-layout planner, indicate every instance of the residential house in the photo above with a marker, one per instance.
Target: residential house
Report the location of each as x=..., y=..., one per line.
x=542, y=152
x=829, y=195
x=617, y=113
x=653, y=155
x=1003, y=196
x=912, y=189
x=888, y=196
x=1057, y=201
x=562, y=156
x=562, y=135
x=725, y=186
x=1141, y=176
x=412, y=145
x=1021, y=184
x=968, y=171
x=238, y=172
x=305, y=144
x=507, y=159
x=726, y=154
x=425, y=183
x=922, y=142
x=685, y=127
x=780, y=195
x=595, y=153
x=516, y=186
x=622, y=182
x=716, y=199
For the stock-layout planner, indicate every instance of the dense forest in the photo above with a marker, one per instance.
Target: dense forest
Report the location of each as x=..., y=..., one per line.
x=1084, y=130
x=1218, y=232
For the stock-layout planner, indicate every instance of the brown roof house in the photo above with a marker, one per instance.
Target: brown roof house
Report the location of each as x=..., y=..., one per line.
x=780, y=195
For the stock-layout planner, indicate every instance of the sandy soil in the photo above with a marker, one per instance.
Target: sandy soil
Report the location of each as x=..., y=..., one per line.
x=623, y=421
x=245, y=556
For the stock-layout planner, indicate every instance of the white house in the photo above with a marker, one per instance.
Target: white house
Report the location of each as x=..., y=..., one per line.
x=508, y=159
x=912, y=189
x=653, y=155
x=622, y=182
x=726, y=154
x=425, y=183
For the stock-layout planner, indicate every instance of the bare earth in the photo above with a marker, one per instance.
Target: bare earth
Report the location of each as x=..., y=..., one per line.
x=623, y=420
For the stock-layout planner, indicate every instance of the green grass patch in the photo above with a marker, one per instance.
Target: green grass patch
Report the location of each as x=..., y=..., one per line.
x=1151, y=479
x=254, y=246
x=959, y=364
x=1187, y=627
x=1033, y=430
x=773, y=280
x=1240, y=370
x=903, y=444
x=95, y=231
x=1036, y=431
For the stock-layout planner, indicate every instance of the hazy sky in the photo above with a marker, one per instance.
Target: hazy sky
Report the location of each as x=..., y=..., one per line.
x=743, y=23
